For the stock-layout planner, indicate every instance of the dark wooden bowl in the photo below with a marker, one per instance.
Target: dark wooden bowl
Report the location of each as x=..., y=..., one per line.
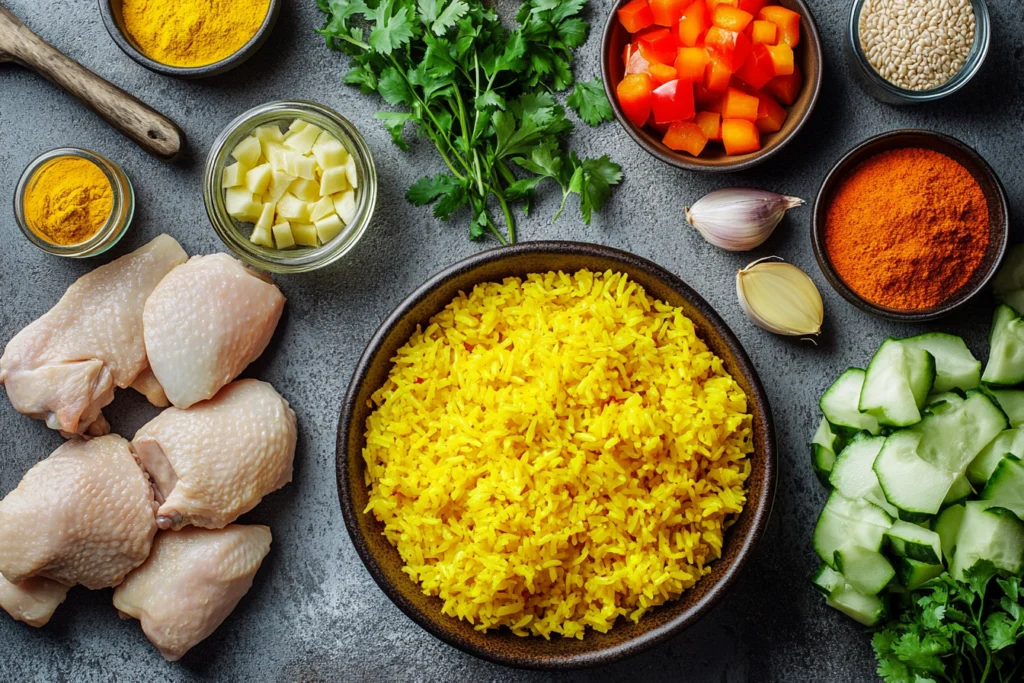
x=995, y=196
x=113, y=19
x=714, y=159
x=501, y=646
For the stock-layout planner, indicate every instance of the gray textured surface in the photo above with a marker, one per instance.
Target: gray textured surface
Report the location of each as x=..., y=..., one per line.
x=314, y=613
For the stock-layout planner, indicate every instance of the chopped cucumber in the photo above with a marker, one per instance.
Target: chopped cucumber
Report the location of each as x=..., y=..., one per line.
x=992, y=534
x=867, y=609
x=846, y=521
x=908, y=481
x=955, y=365
x=1012, y=403
x=852, y=475
x=953, y=436
x=823, y=451
x=827, y=580
x=912, y=574
x=958, y=492
x=915, y=542
x=947, y=526
x=1006, y=349
x=866, y=570
x=913, y=517
x=897, y=383
x=1005, y=488
x=839, y=403
x=1007, y=442
x=1008, y=284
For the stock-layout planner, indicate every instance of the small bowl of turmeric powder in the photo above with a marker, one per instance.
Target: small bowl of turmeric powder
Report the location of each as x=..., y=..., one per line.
x=72, y=202
x=190, y=38
x=909, y=225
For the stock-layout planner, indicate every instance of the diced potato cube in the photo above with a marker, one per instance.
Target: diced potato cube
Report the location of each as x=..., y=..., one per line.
x=297, y=125
x=322, y=209
x=329, y=152
x=306, y=190
x=262, y=236
x=233, y=175
x=240, y=204
x=266, y=219
x=345, y=205
x=302, y=141
x=269, y=133
x=279, y=184
x=335, y=180
x=329, y=228
x=248, y=151
x=283, y=235
x=302, y=167
x=304, y=234
x=274, y=153
x=257, y=180
x=352, y=172
x=291, y=208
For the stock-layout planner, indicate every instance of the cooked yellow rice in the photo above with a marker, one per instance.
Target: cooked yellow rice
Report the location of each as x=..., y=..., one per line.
x=549, y=455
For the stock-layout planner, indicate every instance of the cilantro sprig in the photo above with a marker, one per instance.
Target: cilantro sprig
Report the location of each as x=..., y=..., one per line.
x=483, y=94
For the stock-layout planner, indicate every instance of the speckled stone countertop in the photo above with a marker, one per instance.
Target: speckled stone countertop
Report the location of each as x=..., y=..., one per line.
x=314, y=613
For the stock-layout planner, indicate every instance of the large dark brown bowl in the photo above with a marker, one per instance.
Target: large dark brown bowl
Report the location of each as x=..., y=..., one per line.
x=995, y=197
x=501, y=646
x=714, y=159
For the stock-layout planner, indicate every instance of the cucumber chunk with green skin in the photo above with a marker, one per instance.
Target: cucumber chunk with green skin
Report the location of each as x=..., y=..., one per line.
x=897, y=383
x=947, y=526
x=908, y=481
x=988, y=533
x=912, y=574
x=955, y=365
x=1005, y=488
x=1012, y=403
x=827, y=580
x=1008, y=283
x=846, y=521
x=1007, y=442
x=866, y=570
x=913, y=517
x=839, y=403
x=866, y=609
x=823, y=452
x=1006, y=349
x=953, y=436
x=915, y=542
x=852, y=475
x=958, y=491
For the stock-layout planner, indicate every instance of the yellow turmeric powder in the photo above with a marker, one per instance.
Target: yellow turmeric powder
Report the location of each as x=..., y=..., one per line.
x=68, y=201
x=192, y=33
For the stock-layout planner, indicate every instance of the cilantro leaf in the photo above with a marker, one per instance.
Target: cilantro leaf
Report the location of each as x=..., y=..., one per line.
x=428, y=189
x=393, y=87
x=392, y=30
x=395, y=124
x=588, y=99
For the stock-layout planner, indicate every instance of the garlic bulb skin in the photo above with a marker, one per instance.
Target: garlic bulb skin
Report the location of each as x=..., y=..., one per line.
x=779, y=297
x=739, y=218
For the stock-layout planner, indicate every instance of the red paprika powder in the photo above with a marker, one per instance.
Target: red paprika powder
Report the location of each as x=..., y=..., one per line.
x=907, y=228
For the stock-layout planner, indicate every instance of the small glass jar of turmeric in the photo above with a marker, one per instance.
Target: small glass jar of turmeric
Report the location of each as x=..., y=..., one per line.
x=73, y=202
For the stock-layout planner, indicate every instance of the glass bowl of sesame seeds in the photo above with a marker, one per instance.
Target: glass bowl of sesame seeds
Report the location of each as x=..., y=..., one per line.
x=913, y=51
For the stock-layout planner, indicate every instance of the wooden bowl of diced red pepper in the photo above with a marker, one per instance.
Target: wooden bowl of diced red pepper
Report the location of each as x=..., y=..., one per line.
x=712, y=85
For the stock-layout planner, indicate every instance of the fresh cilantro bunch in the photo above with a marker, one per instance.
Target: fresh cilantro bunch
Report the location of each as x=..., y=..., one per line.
x=952, y=631
x=482, y=94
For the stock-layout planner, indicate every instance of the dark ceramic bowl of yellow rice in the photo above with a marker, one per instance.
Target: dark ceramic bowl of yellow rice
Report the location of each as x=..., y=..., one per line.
x=375, y=516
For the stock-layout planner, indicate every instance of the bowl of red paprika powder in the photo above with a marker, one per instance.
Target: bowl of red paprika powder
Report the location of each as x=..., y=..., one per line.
x=909, y=225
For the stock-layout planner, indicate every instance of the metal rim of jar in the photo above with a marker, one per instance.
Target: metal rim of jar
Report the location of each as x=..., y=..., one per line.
x=122, y=209
x=231, y=231
x=975, y=59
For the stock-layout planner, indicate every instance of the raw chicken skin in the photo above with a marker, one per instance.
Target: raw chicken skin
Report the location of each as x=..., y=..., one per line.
x=32, y=601
x=84, y=515
x=216, y=460
x=205, y=322
x=63, y=367
x=191, y=582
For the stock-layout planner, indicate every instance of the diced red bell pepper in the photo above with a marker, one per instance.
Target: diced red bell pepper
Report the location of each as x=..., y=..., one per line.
x=691, y=62
x=731, y=18
x=752, y=6
x=702, y=96
x=740, y=136
x=782, y=58
x=636, y=15
x=710, y=123
x=685, y=136
x=717, y=76
x=715, y=105
x=658, y=45
x=786, y=20
x=673, y=101
x=786, y=88
x=667, y=12
x=660, y=127
x=758, y=69
x=712, y=4
x=694, y=21
x=770, y=114
x=635, y=61
x=635, y=93
x=662, y=73
x=762, y=31
x=739, y=105
x=731, y=48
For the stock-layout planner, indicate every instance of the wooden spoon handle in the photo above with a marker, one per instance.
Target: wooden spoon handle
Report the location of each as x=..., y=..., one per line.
x=152, y=131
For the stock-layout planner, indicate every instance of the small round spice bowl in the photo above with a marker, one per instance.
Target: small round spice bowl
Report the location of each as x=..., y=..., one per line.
x=42, y=170
x=979, y=230
x=238, y=235
x=251, y=38
x=928, y=53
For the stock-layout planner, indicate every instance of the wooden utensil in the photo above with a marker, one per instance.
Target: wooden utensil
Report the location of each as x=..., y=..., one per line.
x=149, y=129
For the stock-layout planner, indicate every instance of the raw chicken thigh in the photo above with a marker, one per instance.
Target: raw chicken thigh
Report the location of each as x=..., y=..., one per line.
x=216, y=460
x=205, y=323
x=85, y=515
x=32, y=601
x=63, y=367
x=191, y=582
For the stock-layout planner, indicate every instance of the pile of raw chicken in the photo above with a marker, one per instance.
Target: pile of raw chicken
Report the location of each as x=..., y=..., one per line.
x=151, y=517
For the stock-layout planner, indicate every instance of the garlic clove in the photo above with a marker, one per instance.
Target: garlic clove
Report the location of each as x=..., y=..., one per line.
x=739, y=218
x=779, y=297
